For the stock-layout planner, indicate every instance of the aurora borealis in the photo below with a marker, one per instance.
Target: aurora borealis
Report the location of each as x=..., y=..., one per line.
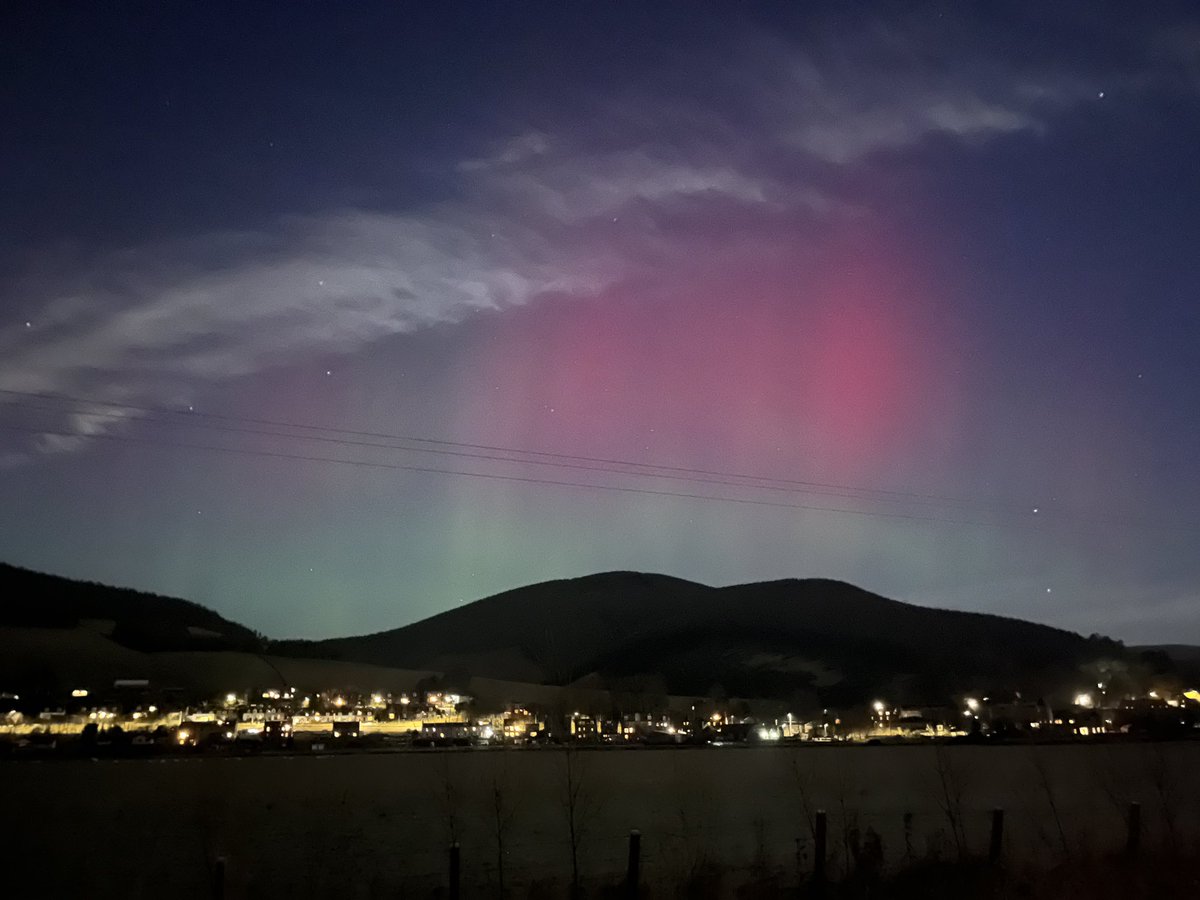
x=920, y=286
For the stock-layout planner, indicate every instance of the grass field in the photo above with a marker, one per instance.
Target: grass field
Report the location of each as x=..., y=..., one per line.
x=378, y=825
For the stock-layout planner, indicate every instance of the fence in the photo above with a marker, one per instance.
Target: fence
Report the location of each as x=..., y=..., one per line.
x=832, y=850
x=365, y=826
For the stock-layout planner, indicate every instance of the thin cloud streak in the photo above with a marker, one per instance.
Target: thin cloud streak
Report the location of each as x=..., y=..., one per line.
x=157, y=322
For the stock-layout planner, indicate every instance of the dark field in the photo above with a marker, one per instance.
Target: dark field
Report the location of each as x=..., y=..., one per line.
x=378, y=825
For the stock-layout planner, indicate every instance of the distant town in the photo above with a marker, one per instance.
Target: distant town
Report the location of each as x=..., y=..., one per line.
x=128, y=717
x=91, y=671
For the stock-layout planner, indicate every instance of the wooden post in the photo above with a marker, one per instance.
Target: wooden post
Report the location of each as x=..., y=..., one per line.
x=908, y=833
x=997, y=839
x=218, y=878
x=634, y=867
x=819, y=833
x=455, y=870
x=800, y=862
x=1134, y=837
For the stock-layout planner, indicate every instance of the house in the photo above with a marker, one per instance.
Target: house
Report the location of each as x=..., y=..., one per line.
x=277, y=730
x=448, y=734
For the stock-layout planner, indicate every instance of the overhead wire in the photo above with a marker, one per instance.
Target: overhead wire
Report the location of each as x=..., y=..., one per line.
x=154, y=416
x=669, y=475
x=854, y=491
x=273, y=454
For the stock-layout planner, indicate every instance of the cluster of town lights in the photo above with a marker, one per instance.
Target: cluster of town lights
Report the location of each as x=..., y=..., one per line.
x=441, y=716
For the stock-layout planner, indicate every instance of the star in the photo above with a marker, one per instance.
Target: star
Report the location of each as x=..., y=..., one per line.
x=191, y=409
x=1049, y=590
x=328, y=372
x=1100, y=96
x=320, y=284
x=30, y=325
x=1035, y=510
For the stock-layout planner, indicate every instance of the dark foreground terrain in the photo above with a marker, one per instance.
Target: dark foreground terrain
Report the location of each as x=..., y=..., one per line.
x=902, y=821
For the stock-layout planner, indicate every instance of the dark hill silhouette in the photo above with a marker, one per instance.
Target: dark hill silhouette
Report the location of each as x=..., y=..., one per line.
x=1179, y=653
x=811, y=642
x=818, y=641
x=141, y=621
x=1179, y=660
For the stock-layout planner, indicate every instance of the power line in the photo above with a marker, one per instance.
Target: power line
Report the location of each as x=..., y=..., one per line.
x=562, y=460
x=181, y=445
x=815, y=486
x=150, y=419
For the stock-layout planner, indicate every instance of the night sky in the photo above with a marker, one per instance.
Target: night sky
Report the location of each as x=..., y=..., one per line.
x=730, y=292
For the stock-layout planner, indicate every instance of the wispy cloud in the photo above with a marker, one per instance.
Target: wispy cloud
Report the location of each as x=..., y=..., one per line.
x=161, y=320
x=842, y=101
x=512, y=150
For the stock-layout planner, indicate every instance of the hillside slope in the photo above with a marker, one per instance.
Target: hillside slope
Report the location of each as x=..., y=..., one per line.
x=140, y=621
x=56, y=660
x=813, y=641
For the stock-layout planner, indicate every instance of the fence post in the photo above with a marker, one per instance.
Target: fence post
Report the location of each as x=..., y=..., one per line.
x=819, y=832
x=997, y=839
x=800, y=862
x=455, y=870
x=634, y=867
x=908, y=833
x=1134, y=837
x=218, y=878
